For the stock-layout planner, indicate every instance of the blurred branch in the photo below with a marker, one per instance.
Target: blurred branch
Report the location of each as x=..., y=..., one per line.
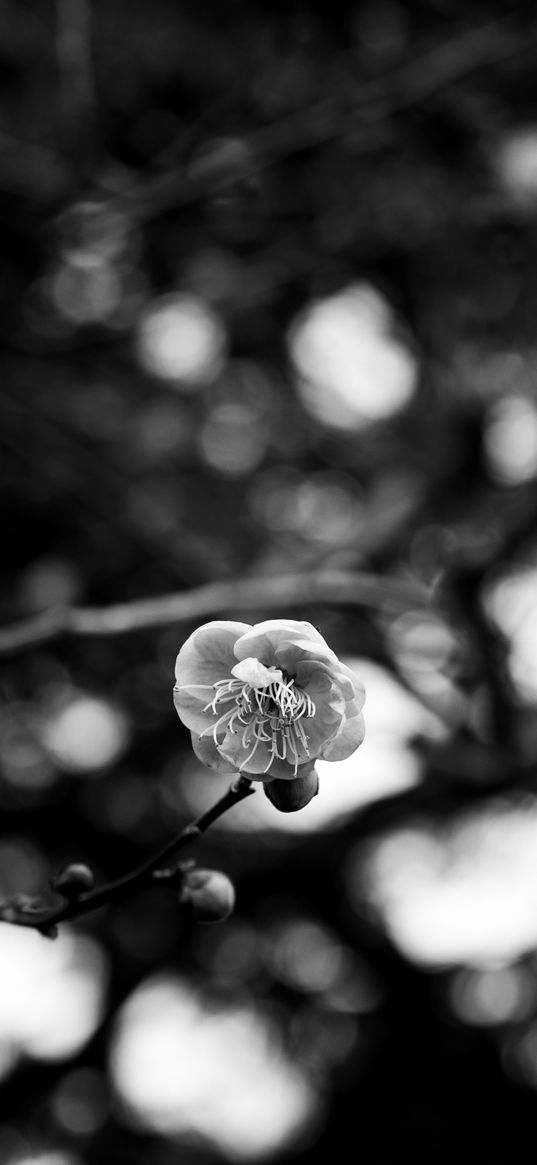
x=76, y=81
x=429, y=71
x=462, y=589
x=331, y=118
x=283, y=592
x=33, y=914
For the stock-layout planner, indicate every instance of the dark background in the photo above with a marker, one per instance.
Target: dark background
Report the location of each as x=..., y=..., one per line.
x=178, y=173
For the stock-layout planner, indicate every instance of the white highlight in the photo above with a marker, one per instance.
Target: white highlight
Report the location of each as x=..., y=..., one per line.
x=252, y=672
x=181, y=339
x=516, y=165
x=51, y=994
x=512, y=602
x=185, y=1065
x=47, y=1158
x=85, y=735
x=468, y=895
x=510, y=440
x=353, y=369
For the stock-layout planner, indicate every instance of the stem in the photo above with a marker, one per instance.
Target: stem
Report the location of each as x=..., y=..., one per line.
x=46, y=920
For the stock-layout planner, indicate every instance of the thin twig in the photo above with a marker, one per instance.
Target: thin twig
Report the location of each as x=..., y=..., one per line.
x=429, y=71
x=76, y=82
x=329, y=119
x=46, y=919
x=283, y=592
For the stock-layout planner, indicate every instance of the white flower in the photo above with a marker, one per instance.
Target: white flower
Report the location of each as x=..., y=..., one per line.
x=267, y=700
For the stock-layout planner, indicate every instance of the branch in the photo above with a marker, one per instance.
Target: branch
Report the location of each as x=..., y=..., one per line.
x=76, y=81
x=46, y=918
x=429, y=71
x=283, y=592
x=330, y=119
x=464, y=583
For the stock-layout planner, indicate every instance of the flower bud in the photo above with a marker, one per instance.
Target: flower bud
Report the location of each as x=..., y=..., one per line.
x=288, y=796
x=209, y=893
x=74, y=880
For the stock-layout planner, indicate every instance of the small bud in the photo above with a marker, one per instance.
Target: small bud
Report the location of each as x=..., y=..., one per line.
x=74, y=880
x=288, y=796
x=209, y=893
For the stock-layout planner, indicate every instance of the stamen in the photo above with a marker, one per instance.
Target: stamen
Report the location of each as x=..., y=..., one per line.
x=263, y=716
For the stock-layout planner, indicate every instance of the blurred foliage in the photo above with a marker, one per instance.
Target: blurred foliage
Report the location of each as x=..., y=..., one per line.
x=267, y=303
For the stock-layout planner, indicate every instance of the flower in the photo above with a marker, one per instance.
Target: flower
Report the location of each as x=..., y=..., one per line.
x=267, y=700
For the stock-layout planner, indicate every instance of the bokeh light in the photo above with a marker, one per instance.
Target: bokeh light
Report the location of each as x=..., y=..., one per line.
x=187, y=1065
x=81, y=733
x=50, y=581
x=309, y=957
x=182, y=341
x=515, y=161
x=519, y=1053
x=510, y=440
x=512, y=603
x=52, y=994
x=353, y=369
x=464, y=894
x=239, y=425
x=491, y=996
x=86, y=291
x=321, y=508
x=232, y=441
x=80, y=1103
x=43, y=1157
x=25, y=764
x=305, y=954
x=422, y=641
x=96, y=279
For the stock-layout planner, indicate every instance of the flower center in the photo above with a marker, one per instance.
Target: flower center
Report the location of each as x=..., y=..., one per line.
x=271, y=713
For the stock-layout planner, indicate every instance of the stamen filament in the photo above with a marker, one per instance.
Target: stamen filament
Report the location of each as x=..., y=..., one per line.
x=269, y=716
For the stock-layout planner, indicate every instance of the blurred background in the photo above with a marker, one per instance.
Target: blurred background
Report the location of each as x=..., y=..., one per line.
x=268, y=303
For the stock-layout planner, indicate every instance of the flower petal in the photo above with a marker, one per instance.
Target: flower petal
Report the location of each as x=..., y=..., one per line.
x=207, y=655
x=190, y=704
x=259, y=764
x=289, y=653
x=255, y=673
x=347, y=741
x=359, y=689
x=307, y=668
x=262, y=640
x=207, y=752
x=329, y=714
x=250, y=758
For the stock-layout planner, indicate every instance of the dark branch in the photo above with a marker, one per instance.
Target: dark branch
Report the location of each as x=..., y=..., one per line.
x=46, y=918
